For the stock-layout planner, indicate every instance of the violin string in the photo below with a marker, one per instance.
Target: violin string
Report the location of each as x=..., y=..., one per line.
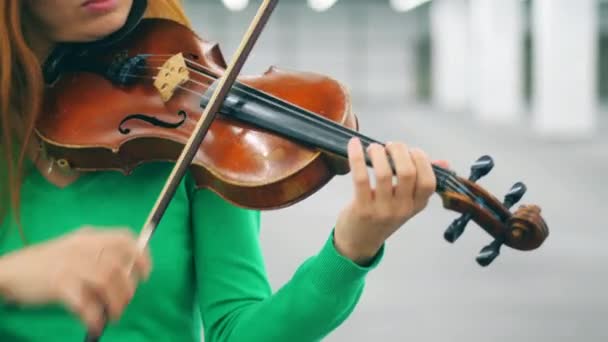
x=450, y=181
x=325, y=123
x=277, y=102
x=338, y=129
x=335, y=127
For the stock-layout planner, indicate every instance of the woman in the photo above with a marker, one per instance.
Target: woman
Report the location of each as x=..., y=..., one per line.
x=68, y=238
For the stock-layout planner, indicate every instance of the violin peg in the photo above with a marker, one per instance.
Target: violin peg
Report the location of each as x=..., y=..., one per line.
x=489, y=253
x=515, y=194
x=453, y=232
x=482, y=166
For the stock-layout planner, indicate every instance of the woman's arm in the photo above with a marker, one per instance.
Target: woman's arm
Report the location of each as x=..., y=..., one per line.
x=235, y=298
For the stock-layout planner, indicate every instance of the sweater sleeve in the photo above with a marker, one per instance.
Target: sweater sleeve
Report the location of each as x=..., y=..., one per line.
x=235, y=298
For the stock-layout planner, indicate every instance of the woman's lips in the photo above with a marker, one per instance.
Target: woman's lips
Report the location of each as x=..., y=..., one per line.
x=100, y=5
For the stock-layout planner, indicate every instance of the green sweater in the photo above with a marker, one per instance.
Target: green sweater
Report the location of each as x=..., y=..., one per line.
x=207, y=267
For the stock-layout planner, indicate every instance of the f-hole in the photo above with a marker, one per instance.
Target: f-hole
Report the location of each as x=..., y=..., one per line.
x=152, y=120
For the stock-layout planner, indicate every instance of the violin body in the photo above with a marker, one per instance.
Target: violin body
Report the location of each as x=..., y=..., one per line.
x=91, y=123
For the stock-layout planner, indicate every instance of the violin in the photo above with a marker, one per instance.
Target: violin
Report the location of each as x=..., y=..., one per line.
x=262, y=141
x=279, y=137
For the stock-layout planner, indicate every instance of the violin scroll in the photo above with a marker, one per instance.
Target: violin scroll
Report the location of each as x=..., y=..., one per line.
x=525, y=229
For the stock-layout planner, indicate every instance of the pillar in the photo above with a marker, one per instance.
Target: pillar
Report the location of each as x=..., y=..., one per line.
x=449, y=36
x=496, y=37
x=565, y=62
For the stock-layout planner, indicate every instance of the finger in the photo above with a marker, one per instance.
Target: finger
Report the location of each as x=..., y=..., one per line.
x=382, y=172
x=358, y=167
x=143, y=265
x=122, y=238
x=425, y=180
x=95, y=242
x=113, y=285
x=405, y=171
x=123, y=245
x=442, y=163
x=85, y=305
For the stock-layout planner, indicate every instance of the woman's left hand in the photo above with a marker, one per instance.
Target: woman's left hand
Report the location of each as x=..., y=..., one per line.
x=374, y=214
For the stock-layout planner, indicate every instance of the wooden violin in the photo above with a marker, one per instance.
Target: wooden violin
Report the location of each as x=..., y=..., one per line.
x=278, y=137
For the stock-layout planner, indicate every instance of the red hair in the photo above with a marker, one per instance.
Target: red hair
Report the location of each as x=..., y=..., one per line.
x=21, y=91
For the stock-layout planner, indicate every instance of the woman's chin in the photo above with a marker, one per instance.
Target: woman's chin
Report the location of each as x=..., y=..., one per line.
x=98, y=29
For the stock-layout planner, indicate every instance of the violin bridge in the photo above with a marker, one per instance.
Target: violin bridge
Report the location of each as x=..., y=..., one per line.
x=172, y=74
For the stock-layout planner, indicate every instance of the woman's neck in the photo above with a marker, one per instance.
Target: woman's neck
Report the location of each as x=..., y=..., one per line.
x=36, y=37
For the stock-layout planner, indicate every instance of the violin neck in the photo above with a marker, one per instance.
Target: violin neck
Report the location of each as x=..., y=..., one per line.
x=257, y=108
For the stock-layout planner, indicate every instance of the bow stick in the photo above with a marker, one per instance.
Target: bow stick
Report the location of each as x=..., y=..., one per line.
x=209, y=114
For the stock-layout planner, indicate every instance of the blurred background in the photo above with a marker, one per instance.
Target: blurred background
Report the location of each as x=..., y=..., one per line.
x=523, y=81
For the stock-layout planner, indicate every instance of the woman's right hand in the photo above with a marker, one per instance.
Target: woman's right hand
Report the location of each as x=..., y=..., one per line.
x=86, y=271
